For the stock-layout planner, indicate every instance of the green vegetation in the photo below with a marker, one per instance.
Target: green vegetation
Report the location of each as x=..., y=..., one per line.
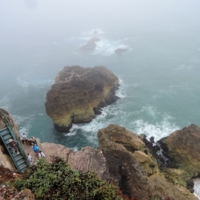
x=57, y=180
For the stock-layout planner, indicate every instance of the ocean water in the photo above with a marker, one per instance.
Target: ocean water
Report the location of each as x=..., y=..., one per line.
x=159, y=83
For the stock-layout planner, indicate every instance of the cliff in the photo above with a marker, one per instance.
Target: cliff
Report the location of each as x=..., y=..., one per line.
x=78, y=94
x=129, y=161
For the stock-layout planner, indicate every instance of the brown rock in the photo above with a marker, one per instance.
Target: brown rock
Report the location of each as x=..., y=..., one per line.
x=89, y=159
x=118, y=145
x=78, y=94
x=182, y=148
x=90, y=45
x=118, y=137
x=119, y=51
x=55, y=150
x=164, y=189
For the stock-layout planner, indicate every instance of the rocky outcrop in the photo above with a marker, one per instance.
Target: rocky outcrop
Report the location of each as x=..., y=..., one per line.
x=119, y=51
x=125, y=159
x=183, y=152
x=134, y=168
x=78, y=94
x=87, y=159
x=118, y=146
x=129, y=161
x=90, y=45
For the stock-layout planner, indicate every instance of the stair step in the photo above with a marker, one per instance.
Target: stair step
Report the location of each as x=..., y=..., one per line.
x=16, y=154
x=22, y=166
x=5, y=132
x=20, y=162
x=6, y=141
x=3, y=129
x=24, y=169
x=18, y=157
x=8, y=136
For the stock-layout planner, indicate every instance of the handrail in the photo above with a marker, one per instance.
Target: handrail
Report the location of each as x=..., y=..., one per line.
x=16, y=138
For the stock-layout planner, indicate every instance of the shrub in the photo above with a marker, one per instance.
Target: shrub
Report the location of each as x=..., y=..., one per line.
x=57, y=180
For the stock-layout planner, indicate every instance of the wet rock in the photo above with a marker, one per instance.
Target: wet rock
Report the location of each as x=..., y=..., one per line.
x=90, y=45
x=78, y=94
x=119, y=51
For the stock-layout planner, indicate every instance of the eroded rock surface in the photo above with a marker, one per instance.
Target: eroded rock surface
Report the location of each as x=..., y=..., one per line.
x=78, y=95
x=118, y=144
x=133, y=167
x=183, y=151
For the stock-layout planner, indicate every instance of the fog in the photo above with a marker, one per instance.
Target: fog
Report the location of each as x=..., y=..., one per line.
x=34, y=21
x=158, y=67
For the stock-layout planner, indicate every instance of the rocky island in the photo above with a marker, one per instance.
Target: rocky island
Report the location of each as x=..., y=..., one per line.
x=78, y=94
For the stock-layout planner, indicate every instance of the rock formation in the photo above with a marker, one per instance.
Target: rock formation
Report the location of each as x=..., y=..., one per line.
x=183, y=153
x=133, y=167
x=119, y=51
x=129, y=161
x=90, y=45
x=78, y=94
x=124, y=159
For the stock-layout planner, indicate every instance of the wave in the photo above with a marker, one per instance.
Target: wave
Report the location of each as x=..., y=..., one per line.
x=95, y=42
x=121, y=91
x=24, y=123
x=197, y=187
x=154, y=123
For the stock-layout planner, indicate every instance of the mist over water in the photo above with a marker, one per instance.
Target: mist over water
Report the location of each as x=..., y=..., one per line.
x=158, y=70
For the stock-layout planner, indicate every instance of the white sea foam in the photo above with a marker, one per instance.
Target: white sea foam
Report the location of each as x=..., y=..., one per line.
x=158, y=129
x=121, y=92
x=197, y=187
x=104, y=46
x=25, y=120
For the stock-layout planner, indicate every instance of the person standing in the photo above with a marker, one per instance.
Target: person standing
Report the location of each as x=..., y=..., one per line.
x=41, y=154
x=30, y=158
x=24, y=138
x=35, y=148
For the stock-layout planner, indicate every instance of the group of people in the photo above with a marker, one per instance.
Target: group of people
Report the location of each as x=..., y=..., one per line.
x=37, y=152
x=13, y=146
x=33, y=142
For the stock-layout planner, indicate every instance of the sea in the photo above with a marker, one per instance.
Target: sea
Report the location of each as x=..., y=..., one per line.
x=159, y=88
x=159, y=84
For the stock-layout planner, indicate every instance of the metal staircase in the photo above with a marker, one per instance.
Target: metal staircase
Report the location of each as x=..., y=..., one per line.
x=19, y=158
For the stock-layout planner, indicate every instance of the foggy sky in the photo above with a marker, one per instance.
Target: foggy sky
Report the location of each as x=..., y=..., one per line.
x=29, y=21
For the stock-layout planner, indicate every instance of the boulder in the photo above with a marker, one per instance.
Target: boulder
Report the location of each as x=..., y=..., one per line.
x=78, y=94
x=87, y=159
x=166, y=190
x=90, y=45
x=118, y=146
x=183, y=152
x=119, y=50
